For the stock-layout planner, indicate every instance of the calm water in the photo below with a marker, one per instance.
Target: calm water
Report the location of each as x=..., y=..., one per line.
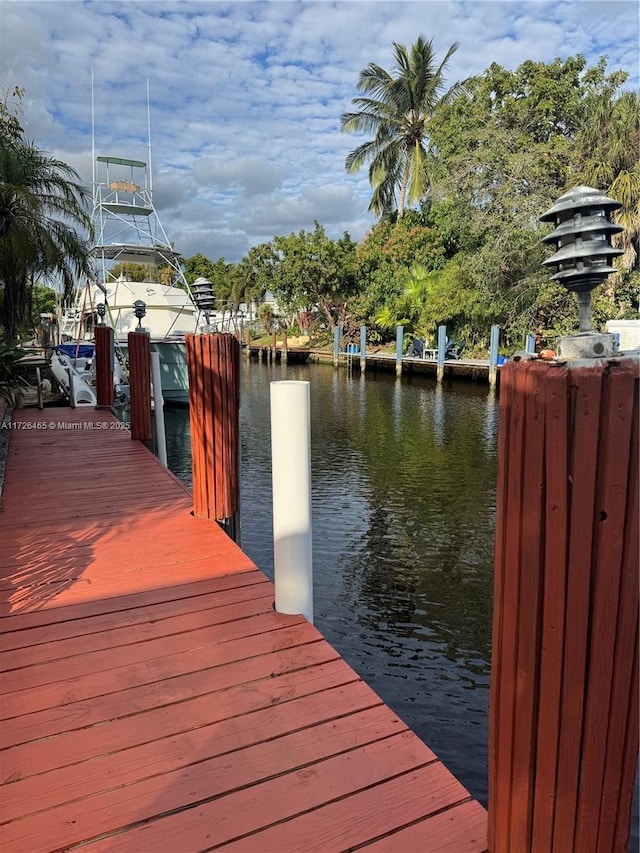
x=403, y=479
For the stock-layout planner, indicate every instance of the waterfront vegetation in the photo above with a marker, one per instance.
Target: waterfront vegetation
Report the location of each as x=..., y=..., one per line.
x=43, y=220
x=478, y=163
x=459, y=176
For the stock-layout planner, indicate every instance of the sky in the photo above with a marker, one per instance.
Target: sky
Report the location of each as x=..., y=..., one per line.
x=246, y=97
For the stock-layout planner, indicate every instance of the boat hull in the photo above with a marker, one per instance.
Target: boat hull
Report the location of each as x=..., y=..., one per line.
x=74, y=379
x=173, y=371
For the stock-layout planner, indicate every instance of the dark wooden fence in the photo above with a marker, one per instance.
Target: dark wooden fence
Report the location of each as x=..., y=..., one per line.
x=563, y=722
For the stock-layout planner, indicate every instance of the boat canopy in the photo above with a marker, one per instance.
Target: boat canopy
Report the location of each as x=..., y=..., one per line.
x=124, y=209
x=132, y=253
x=74, y=350
x=121, y=161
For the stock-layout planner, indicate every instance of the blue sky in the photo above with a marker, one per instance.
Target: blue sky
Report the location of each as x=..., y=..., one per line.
x=246, y=97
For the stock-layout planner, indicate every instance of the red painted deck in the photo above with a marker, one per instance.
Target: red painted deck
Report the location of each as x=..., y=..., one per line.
x=152, y=700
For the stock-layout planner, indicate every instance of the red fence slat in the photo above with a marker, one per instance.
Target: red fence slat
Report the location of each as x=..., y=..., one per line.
x=140, y=385
x=104, y=365
x=214, y=399
x=563, y=729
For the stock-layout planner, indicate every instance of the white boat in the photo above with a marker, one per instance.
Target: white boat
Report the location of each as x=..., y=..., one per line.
x=73, y=366
x=139, y=280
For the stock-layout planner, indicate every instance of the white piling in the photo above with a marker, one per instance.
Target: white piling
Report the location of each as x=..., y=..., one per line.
x=158, y=407
x=291, y=478
x=72, y=388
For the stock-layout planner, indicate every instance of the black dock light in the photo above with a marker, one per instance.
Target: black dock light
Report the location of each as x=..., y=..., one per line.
x=583, y=241
x=204, y=296
x=139, y=309
x=102, y=310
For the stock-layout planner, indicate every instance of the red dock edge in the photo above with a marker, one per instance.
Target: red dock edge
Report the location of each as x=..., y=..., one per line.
x=152, y=700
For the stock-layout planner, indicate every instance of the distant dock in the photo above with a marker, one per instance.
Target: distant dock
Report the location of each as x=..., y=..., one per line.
x=474, y=370
x=152, y=700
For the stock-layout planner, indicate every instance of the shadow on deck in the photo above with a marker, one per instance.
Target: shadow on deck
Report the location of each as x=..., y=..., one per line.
x=152, y=700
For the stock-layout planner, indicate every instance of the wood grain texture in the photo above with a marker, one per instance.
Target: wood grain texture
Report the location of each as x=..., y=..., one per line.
x=152, y=699
x=140, y=385
x=104, y=365
x=214, y=394
x=564, y=689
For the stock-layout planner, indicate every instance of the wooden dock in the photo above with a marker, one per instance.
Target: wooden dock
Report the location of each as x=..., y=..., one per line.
x=469, y=369
x=152, y=700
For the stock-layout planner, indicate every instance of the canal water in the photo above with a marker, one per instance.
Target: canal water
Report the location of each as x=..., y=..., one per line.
x=403, y=495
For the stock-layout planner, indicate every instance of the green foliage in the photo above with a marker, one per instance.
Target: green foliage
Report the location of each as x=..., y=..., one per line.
x=409, y=307
x=198, y=266
x=495, y=153
x=502, y=153
x=44, y=301
x=133, y=272
x=41, y=206
x=10, y=126
x=265, y=316
x=397, y=108
x=309, y=271
x=387, y=254
x=608, y=152
x=10, y=369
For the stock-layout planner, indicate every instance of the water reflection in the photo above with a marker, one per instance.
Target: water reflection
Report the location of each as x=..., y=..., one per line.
x=491, y=420
x=438, y=415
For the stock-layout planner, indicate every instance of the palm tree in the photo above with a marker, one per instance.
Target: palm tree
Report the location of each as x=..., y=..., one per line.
x=41, y=205
x=408, y=307
x=397, y=108
x=609, y=142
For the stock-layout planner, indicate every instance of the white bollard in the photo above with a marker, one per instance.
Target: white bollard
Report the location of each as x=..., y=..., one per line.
x=291, y=478
x=158, y=407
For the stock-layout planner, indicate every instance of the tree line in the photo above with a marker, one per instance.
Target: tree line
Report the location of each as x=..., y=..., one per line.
x=459, y=176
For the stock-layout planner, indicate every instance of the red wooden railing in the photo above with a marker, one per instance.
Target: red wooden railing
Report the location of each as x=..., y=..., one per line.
x=563, y=722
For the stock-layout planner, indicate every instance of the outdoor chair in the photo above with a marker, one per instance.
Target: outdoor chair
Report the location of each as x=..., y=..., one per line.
x=454, y=350
x=417, y=348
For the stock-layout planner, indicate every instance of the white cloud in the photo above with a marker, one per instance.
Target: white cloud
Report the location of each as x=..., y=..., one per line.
x=246, y=97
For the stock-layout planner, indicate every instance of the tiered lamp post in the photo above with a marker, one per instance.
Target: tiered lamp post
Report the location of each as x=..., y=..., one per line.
x=563, y=708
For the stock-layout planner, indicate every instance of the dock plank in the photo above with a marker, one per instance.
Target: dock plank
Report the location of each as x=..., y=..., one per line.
x=152, y=699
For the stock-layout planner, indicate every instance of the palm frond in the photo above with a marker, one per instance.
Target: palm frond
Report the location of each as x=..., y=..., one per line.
x=396, y=108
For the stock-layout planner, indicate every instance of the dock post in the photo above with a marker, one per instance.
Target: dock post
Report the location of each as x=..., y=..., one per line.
x=158, y=408
x=363, y=348
x=274, y=344
x=442, y=348
x=140, y=385
x=72, y=395
x=39, y=388
x=291, y=476
x=493, y=354
x=213, y=362
x=336, y=345
x=104, y=365
x=284, y=355
x=563, y=720
x=399, y=349
x=530, y=344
